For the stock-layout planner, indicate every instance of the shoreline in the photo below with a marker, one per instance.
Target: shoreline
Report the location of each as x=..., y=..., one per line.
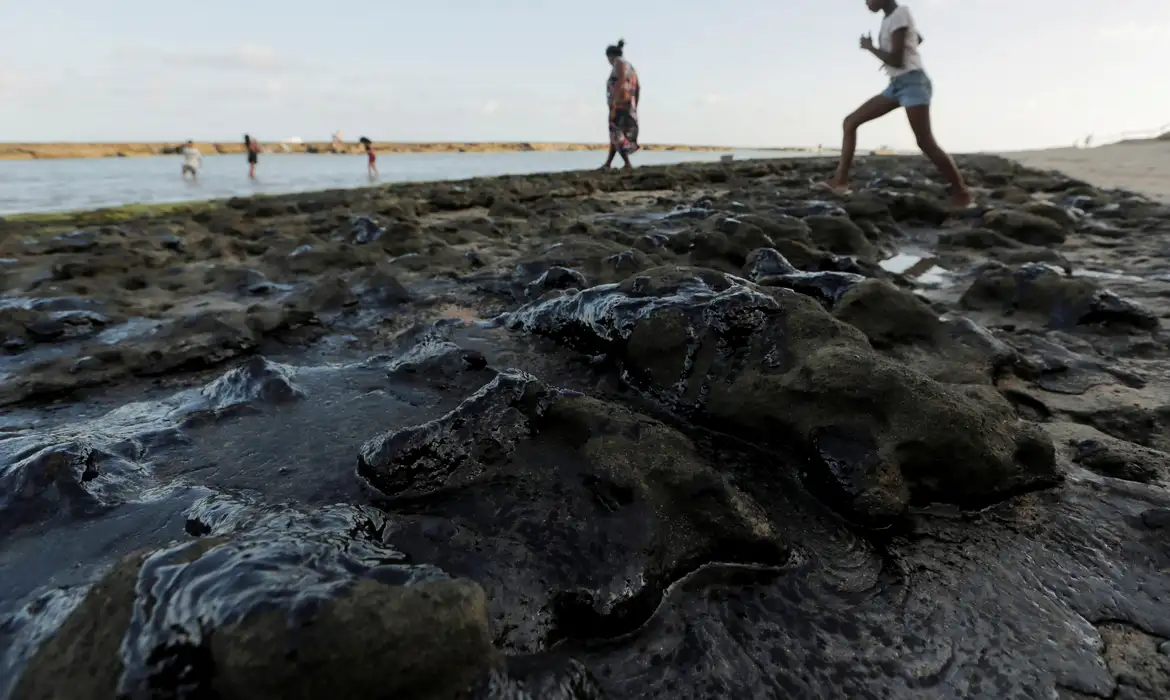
x=118, y=212
x=64, y=150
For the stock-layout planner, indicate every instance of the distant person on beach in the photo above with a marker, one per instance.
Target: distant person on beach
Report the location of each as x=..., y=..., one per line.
x=909, y=88
x=622, y=92
x=253, y=155
x=192, y=160
x=372, y=162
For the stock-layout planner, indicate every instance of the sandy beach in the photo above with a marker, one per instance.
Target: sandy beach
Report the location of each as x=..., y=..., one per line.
x=681, y=433
x=1140, y=166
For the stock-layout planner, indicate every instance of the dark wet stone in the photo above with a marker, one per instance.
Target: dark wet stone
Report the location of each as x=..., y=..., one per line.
x=815, y=207
x=1061, y=215
x=976, y=239
x=67, y=325
x=598, y=260
x=1122, y=460
x=839, y=235
x=780, y=227
x=506, y=208
x=197, y=341
x=952, y=350
x=363, y=229
x=767, y=262
x=377, y=286
x=626, y=261
x=258, y=380
x=327, y=293
x=422, y=459
x=777, y=368
x=887, y=315
x=535, y=678
x=555, y=278
x=1063, y=302
x=520, y=475
x=1156, y=518
x=920, y=208
x=825, y=287
x=434, y=357
x=866, y=205
x=241, y=614
x=695, y=212
x=75, y=242
x=1026, y=228
x=42, y=477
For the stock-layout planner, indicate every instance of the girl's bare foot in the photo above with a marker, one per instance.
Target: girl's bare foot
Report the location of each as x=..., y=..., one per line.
x=832, y=186
x=961, y=198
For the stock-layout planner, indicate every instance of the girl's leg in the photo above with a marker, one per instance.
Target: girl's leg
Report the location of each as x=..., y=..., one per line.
x=920, y=122
x=874, y=108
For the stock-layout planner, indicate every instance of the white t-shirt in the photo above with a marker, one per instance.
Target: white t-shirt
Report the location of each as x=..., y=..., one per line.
x=901, y=19
x=191, y=156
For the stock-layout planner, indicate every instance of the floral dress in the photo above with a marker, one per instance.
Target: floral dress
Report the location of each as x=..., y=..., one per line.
x=621, y=92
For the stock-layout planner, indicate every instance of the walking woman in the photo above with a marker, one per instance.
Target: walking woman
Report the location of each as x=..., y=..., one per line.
x=909, y=88
x=622, y=93
x=253, y=155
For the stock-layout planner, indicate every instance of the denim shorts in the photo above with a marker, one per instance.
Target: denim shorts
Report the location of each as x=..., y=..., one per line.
x=911, y=89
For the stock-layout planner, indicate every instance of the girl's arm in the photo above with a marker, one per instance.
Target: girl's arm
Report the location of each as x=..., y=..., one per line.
x=896, y=56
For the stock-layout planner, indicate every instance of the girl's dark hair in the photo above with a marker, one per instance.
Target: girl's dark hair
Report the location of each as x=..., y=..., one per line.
x=615, y=49
x=247, y=138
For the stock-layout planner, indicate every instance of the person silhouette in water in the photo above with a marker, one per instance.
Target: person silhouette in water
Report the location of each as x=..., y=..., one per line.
x=371, y=157
x=622, y=92
x=910, y=88
x=253, y=155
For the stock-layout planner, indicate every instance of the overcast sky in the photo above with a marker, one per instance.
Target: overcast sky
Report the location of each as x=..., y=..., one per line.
x=1007, y=73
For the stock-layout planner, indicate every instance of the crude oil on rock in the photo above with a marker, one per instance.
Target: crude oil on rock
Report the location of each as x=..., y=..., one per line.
x=684, y=432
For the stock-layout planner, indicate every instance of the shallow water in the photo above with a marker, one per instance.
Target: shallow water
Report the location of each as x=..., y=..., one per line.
x=88, y=183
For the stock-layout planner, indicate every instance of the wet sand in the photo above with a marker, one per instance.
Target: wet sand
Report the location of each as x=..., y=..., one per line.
x=684, y=432
x=1140, y=166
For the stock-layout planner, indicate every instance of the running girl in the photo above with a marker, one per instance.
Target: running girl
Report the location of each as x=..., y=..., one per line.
x=909, y=88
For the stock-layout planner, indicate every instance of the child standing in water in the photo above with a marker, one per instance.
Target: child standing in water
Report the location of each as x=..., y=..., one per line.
x=372, y=162
x=253, y=155
x=192, y=160
x=909, y=88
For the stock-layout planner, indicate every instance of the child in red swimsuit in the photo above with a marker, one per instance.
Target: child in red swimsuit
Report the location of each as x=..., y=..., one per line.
x=371, y=165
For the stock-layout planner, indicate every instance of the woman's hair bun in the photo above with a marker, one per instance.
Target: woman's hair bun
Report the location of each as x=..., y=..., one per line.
x=621, y=43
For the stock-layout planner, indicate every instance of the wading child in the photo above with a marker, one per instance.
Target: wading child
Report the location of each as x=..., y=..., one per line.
x=192, y=160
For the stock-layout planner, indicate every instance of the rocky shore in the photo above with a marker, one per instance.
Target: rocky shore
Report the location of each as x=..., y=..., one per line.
x=682, y=432
x=43, y=151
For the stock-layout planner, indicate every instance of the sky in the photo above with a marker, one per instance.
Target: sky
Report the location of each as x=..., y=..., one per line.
x=1008, y=74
